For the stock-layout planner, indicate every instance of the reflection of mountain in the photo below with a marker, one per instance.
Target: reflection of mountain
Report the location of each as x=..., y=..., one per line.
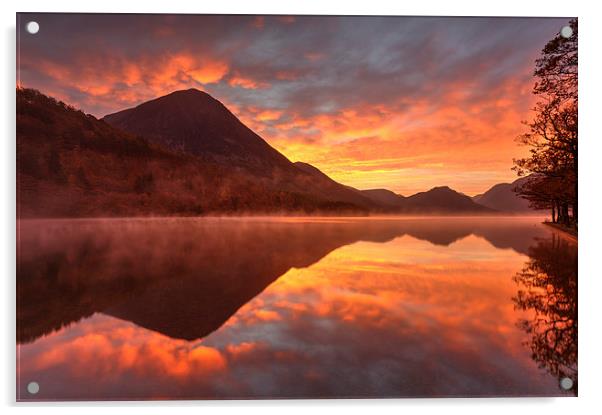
x=186, y=277
x=548, y=288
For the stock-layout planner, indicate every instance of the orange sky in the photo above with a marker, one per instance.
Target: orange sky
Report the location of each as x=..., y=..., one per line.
x=399, y=103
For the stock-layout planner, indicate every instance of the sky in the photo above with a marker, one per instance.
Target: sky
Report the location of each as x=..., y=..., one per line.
x=403, y=103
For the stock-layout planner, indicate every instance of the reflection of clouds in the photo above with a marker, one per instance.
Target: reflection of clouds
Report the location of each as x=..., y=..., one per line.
x=368, y=319
x=108, y=347
x=397, y=322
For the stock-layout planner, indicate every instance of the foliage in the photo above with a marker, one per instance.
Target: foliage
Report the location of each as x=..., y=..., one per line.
x=553, y=132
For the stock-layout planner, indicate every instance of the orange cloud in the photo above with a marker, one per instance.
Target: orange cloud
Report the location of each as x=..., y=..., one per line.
x=176, y=69
x=209, y=73
x=145, y=78
x=268, y=115
x=246, y=83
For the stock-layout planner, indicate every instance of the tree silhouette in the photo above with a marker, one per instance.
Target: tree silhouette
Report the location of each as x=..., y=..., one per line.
x=548, y=288
x=552, y=135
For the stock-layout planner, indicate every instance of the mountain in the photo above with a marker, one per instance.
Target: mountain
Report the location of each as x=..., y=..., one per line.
x=384, y=197
x=442, y=200
x=193, y=122
x=70, y=164
x=503, y=198
x=439, y=200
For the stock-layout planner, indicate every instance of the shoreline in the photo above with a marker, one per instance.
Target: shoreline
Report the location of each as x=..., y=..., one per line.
x=563, y=230
x=267, y=216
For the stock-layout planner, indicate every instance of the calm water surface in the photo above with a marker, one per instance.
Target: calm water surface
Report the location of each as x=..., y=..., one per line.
x=289, y=307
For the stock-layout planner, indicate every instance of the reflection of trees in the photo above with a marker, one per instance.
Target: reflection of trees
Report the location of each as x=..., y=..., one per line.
x=548, y=288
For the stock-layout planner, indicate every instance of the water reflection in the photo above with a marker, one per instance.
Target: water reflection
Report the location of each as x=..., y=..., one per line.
x=226, y=308
x=548, y=287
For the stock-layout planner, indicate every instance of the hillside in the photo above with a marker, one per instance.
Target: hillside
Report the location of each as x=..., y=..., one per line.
x=384, y=197
x=443, y=200
x=503, y=198
x=70, y=164
x=193, y=122
x=439, y=200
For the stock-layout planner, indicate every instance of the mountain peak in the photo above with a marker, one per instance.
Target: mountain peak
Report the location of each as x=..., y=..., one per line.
x=188, y=97
x=442, y=189
x=193, y=121
x=189, y=91
x=444, y=199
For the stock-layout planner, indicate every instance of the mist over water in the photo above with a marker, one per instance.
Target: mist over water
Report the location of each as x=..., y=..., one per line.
x=290, y=307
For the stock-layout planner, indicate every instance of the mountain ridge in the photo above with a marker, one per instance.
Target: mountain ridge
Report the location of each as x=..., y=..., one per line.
x=502, y=197
x=200, y=135
x=439, y=199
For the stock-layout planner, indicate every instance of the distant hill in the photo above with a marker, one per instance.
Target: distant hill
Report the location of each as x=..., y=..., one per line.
x=441, y=200
x=503, y=198
x=384, y=197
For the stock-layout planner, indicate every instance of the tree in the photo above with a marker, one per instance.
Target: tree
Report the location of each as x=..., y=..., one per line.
x=553, y=132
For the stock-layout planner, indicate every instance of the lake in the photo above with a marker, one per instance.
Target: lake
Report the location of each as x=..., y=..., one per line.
x=210, y=308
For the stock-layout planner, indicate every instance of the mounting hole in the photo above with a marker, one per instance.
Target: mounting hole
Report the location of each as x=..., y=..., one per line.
x=32, y=27
x=566, y=383
x=566, y=32
x=33, y=387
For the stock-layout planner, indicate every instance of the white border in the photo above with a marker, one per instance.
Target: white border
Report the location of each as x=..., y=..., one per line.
x=590, y=275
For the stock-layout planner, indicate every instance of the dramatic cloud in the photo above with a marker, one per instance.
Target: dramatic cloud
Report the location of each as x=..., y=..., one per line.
x=402, y=103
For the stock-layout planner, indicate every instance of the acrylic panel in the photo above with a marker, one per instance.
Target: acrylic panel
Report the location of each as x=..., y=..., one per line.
x=257, y=207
